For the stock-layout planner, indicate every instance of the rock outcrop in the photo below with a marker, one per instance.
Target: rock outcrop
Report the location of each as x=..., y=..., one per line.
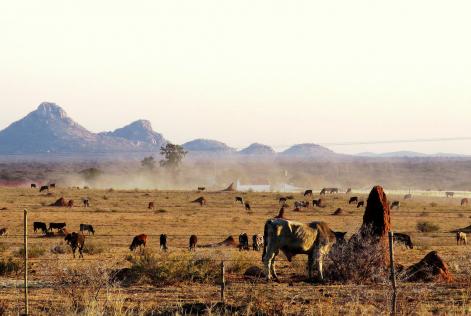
x=431, y=268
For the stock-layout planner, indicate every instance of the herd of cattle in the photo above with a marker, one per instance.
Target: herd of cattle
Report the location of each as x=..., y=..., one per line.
x=315, y=239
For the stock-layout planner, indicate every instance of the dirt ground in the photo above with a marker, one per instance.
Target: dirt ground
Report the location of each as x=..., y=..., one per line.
x=119, y=215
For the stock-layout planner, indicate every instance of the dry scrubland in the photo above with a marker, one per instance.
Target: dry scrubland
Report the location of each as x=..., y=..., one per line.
x=178, y=281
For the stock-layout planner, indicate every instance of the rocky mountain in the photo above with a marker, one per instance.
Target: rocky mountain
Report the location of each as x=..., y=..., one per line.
x=49, y=129
x=208, y=146
x=138, y=132
x=257, y=149
x=309, y=151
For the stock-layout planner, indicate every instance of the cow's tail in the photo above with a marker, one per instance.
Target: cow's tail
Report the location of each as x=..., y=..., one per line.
x=265, y=238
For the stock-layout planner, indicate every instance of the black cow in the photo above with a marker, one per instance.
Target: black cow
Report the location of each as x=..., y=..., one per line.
x=57, y=226
x=361, y=204
x=33, y=185
x=87, y=227
x=43, y=188
x=52, y=185
x=163, y=242
x=243, y=242
x=403, y=239
x=317, y=203
x=239, y=199
x=247, y=206
x=282, y=200
x=86, y=203
x=193, y=242
x=75, y=241
x=308, y=192
x=353, y=199
x=40, y=226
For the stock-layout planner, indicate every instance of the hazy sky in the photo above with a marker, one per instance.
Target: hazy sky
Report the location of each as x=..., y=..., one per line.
x=276, y=72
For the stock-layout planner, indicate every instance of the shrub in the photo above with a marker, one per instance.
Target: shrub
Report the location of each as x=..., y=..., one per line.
x=240, y=263
x=93, y=247
x=8, y=266
x=172, y=268
x=34, y=251
x=427, y=227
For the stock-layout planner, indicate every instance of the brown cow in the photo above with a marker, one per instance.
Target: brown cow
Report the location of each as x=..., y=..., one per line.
x=75, y=241
x=3, y=231
x=138, y=241
x=193, y=242
x=86, y=203
x=70, y=204
x=464, y=202
x=353, y=199
x=317, y=203
x=201, y=200
x=247, y=206
x=150, y=206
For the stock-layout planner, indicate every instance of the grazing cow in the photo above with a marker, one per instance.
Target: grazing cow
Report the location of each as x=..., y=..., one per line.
x=151, y=205
x=403, y=239
x=86, y=203
x=201, y=188
x=138, y=241
x=40, y=226
x=33, y=185
x=193, y=242
x=239, y=199
x=360, y=204
x=247, y=206
x=299, y=204
x=243, y=242
x=75, y=241
x=70, y=204
x=87, y=227
x=43, y=188
x=57, y=226
x=395, y=204
x=353, y=199
x=315, y=240
x=282, y=200
x=317, y=203
x=52, y=185
x=464, y=202
x=201, y=200
x=307, y=193
x=163, y=242
x=461, y=238
x=323, y=191
x=349, y=190
x=450, y=194
x=3, y=231
x=407, y=196
x=333, y=190
x=257, y=242
x=281, y=213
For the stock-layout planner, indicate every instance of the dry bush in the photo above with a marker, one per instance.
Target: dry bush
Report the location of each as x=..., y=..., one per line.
x=93, y=247
x=361, y=260
x=240, y=262
x=34, y=251
x=427, y=227
x=8, y=267
x=171, y=268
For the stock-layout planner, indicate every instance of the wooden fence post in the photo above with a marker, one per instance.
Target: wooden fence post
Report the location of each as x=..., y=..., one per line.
x=223, y=282
x=26, y=261
x=393, y=272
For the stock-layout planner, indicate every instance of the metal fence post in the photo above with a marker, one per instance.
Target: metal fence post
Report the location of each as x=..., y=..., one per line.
x=223, y=282
x=393, y=272
x=26, y=260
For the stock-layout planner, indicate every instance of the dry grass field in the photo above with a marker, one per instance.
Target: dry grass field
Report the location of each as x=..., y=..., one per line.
x=187, y=283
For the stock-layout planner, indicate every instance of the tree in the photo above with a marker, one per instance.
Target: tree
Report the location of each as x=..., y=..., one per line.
x=148, y=163
x=173, y=154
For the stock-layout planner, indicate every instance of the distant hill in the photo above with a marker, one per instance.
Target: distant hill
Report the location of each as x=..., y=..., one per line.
x=49, y=129
x=257, y=149
x=309, y=151
x=138, y=132
x=207, y=146
x=408, y=154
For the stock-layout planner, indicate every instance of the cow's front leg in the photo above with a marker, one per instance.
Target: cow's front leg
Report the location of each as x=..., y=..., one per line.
x=273, y=271
x=320, y=261
x=310, y=266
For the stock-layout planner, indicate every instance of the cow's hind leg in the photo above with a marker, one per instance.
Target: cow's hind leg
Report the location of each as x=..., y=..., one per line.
x=81, y=252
